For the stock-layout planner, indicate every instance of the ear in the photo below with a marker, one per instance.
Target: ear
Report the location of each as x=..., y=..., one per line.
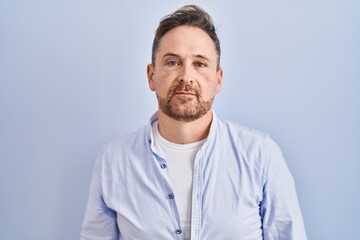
x=150, y=76
x=220, y=77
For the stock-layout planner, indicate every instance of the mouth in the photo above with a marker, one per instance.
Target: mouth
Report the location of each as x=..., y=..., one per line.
x=185, y=93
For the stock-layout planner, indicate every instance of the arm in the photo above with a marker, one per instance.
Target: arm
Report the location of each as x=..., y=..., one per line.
x=100, y=221
x=280, y=210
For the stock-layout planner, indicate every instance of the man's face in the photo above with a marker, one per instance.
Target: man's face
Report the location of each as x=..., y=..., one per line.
x=185, y=75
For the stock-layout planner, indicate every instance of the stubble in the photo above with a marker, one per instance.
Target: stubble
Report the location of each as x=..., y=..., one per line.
x=184, y=108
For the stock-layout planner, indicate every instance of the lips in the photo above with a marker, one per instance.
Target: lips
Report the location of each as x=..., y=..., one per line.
x=185, y=93
x=184, y=90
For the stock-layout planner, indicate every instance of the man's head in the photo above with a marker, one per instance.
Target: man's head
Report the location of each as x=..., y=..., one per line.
x=185, y=72
x=189, y=15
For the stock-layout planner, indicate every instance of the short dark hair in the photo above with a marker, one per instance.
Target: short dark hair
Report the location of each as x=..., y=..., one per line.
x=190, y=15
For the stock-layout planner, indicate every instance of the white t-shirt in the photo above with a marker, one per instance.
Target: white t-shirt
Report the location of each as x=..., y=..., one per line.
x=180, y=162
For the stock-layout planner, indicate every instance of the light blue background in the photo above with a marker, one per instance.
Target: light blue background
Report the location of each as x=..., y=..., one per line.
x=73, y=77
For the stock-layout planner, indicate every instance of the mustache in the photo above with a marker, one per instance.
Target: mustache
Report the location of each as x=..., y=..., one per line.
x=183, y=87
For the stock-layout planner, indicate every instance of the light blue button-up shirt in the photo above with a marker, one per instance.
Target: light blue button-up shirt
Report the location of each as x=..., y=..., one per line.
x=242, y=189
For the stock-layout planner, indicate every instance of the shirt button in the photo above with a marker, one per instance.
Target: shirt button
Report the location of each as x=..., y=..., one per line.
x=178, y=231
x=171, y=196
x=150, y=141
x=163, y=165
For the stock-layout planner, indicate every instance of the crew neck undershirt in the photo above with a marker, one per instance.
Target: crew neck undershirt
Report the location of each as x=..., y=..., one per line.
x=180, y=160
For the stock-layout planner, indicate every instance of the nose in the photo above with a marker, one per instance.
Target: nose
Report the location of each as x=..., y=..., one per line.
x=186, y=75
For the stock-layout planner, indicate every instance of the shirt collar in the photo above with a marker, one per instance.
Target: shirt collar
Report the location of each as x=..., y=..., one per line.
x=210, y=137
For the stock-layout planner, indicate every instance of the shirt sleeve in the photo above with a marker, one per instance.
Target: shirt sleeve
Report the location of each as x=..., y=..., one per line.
x=100, y=221
x=280, y=210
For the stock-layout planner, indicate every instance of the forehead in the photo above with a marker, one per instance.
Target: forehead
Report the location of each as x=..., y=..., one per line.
x=187, y=40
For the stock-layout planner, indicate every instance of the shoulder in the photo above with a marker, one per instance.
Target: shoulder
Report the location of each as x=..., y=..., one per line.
x=250, y=142
x=128, y=140
x=241, y=132
x=124, y=146
x=255, y=147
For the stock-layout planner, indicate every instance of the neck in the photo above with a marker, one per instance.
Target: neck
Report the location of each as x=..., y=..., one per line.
x=184, y=132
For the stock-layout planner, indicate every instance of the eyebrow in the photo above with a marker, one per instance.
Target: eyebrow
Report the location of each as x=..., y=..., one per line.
x=178, y=56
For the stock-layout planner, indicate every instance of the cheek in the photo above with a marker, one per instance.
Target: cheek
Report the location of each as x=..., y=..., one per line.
x=161, y=75
x=210, y=87
x=162, y=82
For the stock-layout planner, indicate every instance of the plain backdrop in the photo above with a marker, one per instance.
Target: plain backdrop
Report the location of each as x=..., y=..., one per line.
x=72, y=77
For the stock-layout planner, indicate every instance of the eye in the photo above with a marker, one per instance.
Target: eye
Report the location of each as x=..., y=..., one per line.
x=200, y=64
x=172, y=63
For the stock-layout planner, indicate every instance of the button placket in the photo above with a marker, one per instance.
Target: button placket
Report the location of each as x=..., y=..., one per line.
x=176, y=221
x=197, y=199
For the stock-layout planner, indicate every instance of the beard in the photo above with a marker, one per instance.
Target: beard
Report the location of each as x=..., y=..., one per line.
x=182, y=107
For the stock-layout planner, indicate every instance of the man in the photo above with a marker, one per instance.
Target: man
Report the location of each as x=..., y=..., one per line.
x=190, y=174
